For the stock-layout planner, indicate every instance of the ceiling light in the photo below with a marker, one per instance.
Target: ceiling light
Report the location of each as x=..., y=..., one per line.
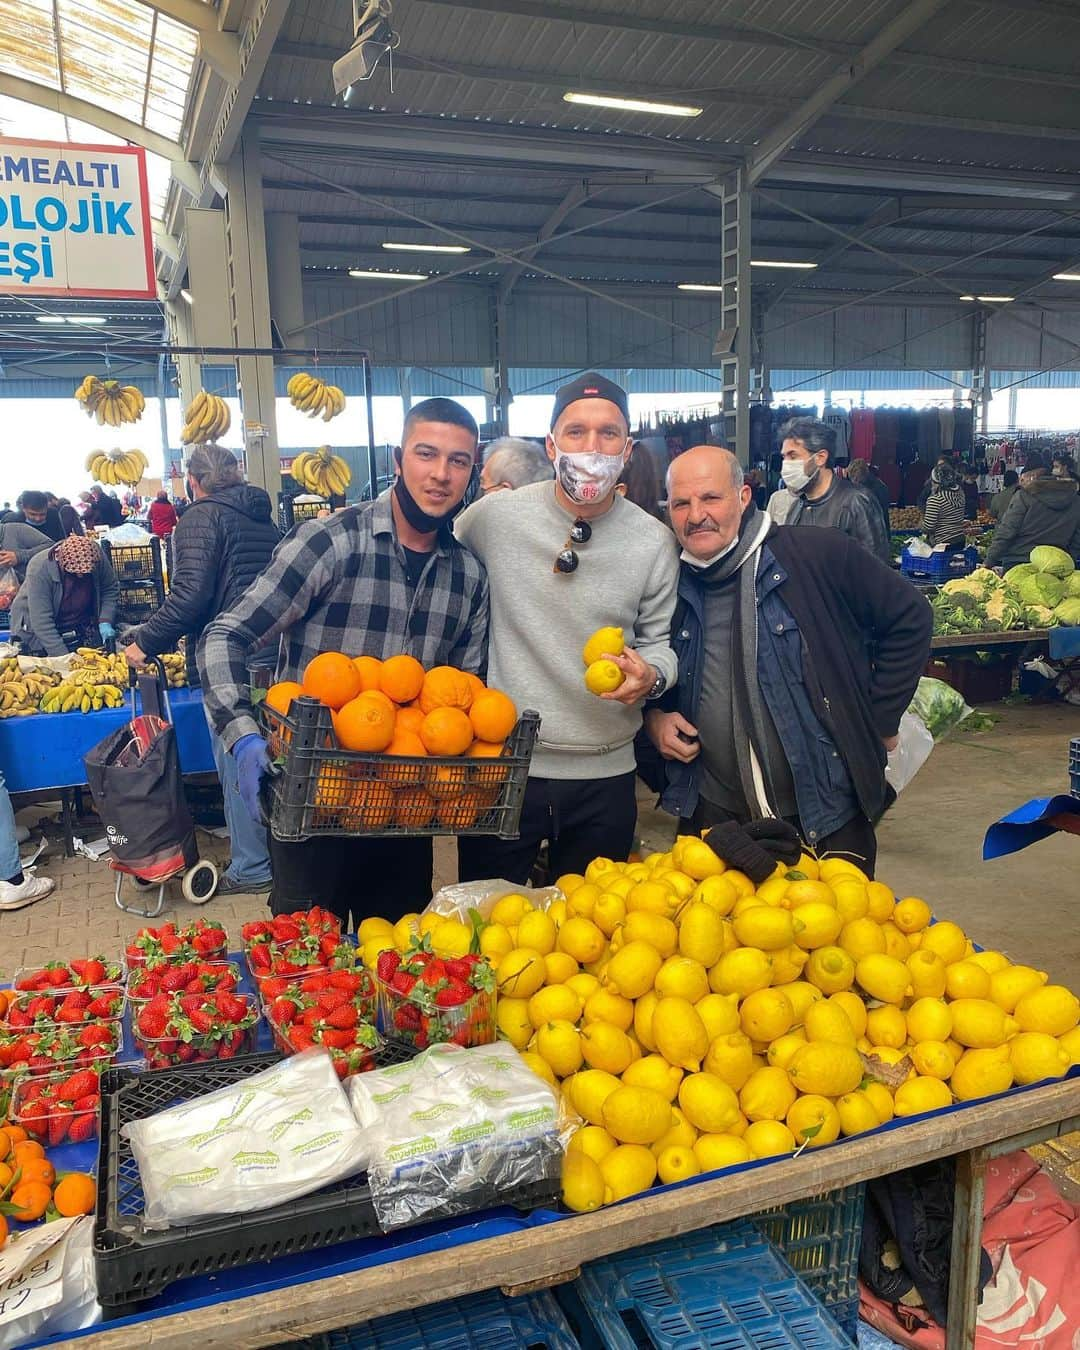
x=1067, y=276
x=990, y=299
x=633, y=105
x=426, y=248
x=50, y=318
x=185, y=295
x=363, y=274
x=86, y=318
x=698, y=286
x=778, y=262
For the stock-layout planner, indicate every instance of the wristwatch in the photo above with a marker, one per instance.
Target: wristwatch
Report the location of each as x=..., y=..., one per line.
x=659, y=685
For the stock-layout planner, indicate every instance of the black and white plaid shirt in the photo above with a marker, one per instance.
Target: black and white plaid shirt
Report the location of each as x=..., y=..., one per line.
x=339, y=585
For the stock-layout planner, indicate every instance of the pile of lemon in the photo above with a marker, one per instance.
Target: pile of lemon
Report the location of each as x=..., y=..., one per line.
x=696, y=1023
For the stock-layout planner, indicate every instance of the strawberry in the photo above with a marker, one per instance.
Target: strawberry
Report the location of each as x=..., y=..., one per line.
x=69, y=1011
x=92, y=972
x=260, y=958
x=454, y=995
x=78, y=1085
x=460, y=968
x=88, y=1102
x=202, y=1020
x=282, y=1012
x=104, y=1006
x=96, y=1033
x=174, y=979
x=151, y=1024
x=338, y=1040
x=57, y=976
x=342, y=1018
x=58, y=1124
x=403, y=982
x=300, y=1038
x=231, y=1007
x=33, y=1117
x=82, y=1128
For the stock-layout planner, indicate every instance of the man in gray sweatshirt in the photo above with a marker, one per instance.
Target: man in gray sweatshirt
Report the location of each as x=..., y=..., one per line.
x=565, y=558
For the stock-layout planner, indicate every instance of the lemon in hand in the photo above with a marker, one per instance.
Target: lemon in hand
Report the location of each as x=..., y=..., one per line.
x=603, y=677
x=608, y=641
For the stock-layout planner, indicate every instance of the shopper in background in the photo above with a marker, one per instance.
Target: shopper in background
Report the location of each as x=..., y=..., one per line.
x=18, y=544
x=798, y=655
x=1044, y=510
x=32, y=508
x=70, y=520
x=162, y=515
x=639, y=482
x=565, y=559
x=377, y=579
x=511, y=462
x=1062, y=466
x=16, y=889
x=758, y=490
x=999, y=502
x=220, y=547
x=944, y=515
x=813, y=494
x=107, y=510
x=970, y=489
x=68, y=599
x=864, y=476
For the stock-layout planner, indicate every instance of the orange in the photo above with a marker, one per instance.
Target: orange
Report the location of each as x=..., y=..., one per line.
x=370, y=668
x=38, y=1169
x=26, y=1149
x=413, y=808
x=335, y=793
x=280, y=696
x=16, y=1134
x=445, y=687
x=478, y=685
x=365, y=723
x=488, y=775
x=406, y=743
x=31, y=1199
x=447, y=781
x=3, y=1231
x=332, y=678
x=410, y=718
x=446, y=731
x=461, y=812
x=7, y=998
x=380, y=697
x=492, y=715
x=6, y=1143
x=401, y=678
x=373, y=806
x=6, y=1174
x=75, y=1195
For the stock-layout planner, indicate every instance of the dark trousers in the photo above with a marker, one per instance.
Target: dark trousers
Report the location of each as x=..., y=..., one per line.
x=581, y=818
x=855, y=840
x=385, y=877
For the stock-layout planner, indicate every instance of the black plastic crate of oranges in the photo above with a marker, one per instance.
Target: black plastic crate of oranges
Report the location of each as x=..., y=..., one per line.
x=319, y=789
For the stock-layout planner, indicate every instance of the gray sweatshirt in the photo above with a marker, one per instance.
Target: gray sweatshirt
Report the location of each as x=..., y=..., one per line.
x=627, y=577
x=24, y=541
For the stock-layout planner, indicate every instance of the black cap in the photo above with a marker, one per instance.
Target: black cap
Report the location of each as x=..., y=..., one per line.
x=590, y=385
x=1033, y=463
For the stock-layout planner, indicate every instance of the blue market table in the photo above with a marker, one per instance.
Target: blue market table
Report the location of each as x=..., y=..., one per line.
x=42, y=756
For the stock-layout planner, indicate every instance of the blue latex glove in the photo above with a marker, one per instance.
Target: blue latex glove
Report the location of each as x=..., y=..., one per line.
x=107, y=631
x=252, y=761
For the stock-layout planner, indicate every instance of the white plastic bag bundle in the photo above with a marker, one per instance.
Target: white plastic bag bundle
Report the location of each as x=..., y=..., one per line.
x=911, y=752
x=464, y=899
x=455, y=1130
x=263, y=1140
x=48, y=1284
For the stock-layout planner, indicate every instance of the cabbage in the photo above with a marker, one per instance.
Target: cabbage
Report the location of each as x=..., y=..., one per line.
x=1072, y=585
x=1039, y=616
x=1014, y=575
x=939, y=705
x=1056, y=561
x=1068, y=612
x=1041, y=589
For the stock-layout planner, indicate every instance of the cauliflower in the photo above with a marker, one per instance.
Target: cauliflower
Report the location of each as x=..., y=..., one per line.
x=1003, y=612
x=1039, y=616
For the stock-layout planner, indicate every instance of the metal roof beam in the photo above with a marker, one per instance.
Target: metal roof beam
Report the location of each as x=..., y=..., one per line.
x=573, y=199
x=1048, y=9
x=28, y=91
x=778, y=141
x=220, y=51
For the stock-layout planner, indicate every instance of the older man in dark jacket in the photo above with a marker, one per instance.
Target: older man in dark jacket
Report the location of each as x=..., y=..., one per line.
x=798, y=654
x=1044, y=510
x=220, y=545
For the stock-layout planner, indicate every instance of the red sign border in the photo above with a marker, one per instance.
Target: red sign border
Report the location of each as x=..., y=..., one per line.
x=150, y=293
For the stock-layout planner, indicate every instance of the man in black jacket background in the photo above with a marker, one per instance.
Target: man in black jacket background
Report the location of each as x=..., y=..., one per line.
x=798, y=654
x=220, y=545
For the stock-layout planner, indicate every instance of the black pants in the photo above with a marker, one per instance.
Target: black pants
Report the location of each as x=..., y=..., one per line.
x=581, y=818
x=385, y=877
x=855, y=840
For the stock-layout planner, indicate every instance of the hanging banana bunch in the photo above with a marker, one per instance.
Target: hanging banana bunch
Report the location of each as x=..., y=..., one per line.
x=321, y=471
x=111, y=402
x=117, y=466
x=207, y=419
x=312, y=396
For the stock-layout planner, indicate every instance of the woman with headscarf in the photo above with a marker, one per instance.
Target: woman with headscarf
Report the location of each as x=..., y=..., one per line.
x=943, y=516
x=68, y=599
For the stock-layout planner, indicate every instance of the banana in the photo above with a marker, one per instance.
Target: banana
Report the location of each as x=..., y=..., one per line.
x=197, y=404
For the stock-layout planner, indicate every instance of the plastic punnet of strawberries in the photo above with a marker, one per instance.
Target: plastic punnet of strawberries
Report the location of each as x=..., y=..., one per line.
x=58, y=1107
x=284, y=929
x=200, y=940
x=84, y=973
x=53, y=1047
x=183, y=977
x=66, y=1007
x=425, y=999
x=304, y=956
x=185, y=1028
x=335, y=1010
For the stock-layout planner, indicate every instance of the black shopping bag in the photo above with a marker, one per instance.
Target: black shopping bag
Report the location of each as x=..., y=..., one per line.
x=139, y=794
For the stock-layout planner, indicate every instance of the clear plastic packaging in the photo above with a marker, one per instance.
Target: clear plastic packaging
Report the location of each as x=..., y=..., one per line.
x=467, y=898
x=267, y=1139
x=454, y=1124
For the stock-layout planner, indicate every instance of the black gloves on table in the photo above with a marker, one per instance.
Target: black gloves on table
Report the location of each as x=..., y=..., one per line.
x=755, y=848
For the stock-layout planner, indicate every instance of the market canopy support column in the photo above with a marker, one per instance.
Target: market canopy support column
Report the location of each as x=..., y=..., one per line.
x=733, y=342
x=249, y=301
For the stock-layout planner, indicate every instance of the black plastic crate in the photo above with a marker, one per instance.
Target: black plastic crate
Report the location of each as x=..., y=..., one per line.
x=134, y=1263
x=135, y=562
x=291, y=512
x=326, y=791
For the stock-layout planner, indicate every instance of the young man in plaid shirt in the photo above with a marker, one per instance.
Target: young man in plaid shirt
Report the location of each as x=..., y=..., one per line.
x=375, y=580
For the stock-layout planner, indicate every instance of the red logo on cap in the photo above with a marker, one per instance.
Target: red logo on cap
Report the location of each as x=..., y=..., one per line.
x=589, y=390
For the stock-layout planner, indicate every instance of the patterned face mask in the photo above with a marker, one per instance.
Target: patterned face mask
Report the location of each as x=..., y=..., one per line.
x=77, y=554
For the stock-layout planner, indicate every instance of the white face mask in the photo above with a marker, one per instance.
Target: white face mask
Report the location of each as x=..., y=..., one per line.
x=589, y=477
x=794, y=474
